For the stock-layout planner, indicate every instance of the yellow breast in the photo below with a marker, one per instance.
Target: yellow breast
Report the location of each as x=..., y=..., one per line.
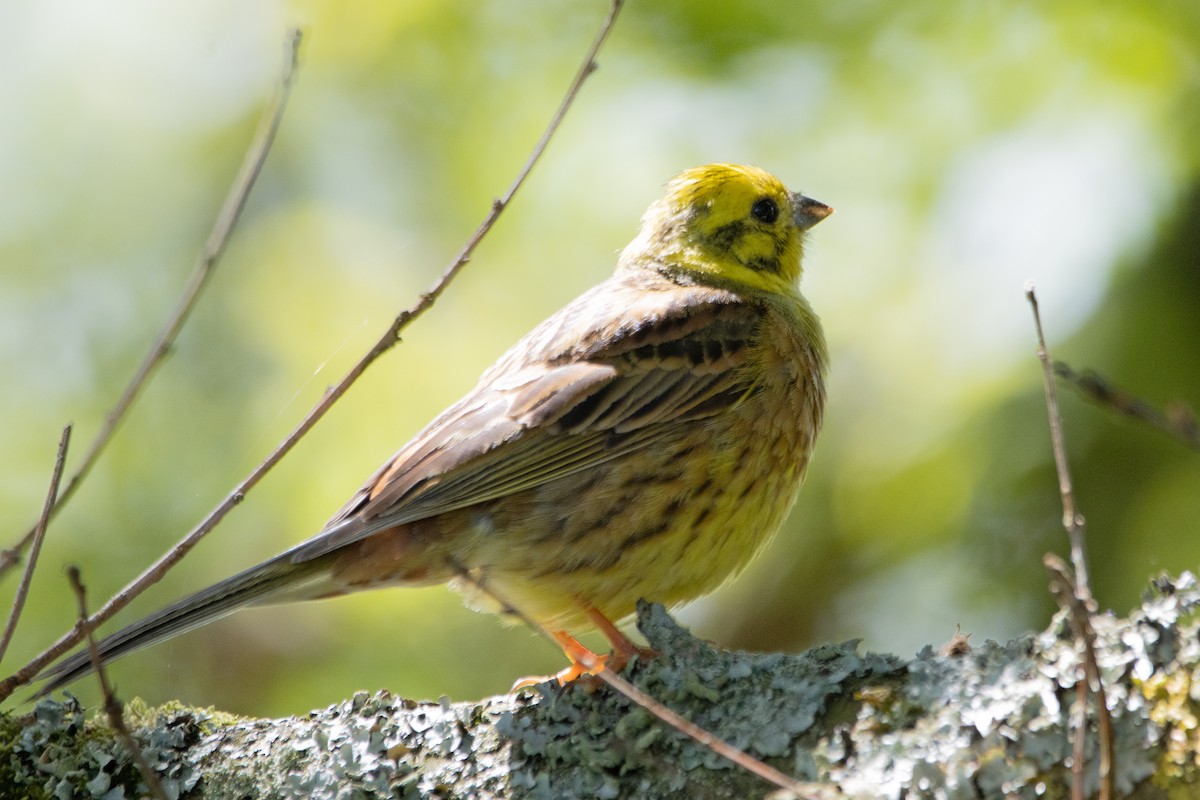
x=671, y=522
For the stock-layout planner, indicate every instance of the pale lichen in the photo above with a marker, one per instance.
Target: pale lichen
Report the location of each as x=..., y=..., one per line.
x=994, y=721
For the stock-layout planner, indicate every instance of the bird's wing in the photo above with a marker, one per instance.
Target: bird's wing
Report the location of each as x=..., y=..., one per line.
x=574, y=404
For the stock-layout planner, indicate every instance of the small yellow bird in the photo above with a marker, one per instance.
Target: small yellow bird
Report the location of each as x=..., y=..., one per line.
x=646, y=441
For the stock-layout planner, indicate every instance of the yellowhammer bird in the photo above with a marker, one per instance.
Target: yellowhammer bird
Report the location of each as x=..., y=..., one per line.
x=644, y=442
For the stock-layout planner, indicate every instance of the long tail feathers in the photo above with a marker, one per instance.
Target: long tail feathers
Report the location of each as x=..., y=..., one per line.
x=272, y=581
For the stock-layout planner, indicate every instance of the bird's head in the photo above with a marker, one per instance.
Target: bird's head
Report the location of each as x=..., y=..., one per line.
x=727, y=225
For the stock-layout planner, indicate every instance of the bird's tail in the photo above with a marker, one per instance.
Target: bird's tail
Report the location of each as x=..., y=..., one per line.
x=273, y=581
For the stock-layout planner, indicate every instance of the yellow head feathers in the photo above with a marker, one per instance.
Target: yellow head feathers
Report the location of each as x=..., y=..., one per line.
x=727, y=225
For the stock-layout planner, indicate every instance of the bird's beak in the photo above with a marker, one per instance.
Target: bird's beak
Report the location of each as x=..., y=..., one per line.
x=808, y=211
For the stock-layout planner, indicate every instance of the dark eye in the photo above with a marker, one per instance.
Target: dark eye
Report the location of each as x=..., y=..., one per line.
x=765, y=210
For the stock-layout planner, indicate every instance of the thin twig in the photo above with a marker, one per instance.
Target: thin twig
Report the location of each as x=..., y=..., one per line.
x=390, y=337
x=801, y=790
x=39, y=533
x=112, y=708
x=427, y=299
x=1062, y=585
x=1073, y=521
x=1177, y=421
x=206, y=263
x=595, y=666
x=1079, y=744
x=1071, y=585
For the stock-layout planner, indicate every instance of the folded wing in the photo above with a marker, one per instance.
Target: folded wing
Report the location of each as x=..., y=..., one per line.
x=566, y=406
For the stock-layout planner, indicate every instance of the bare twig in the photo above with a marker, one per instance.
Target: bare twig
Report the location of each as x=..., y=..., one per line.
x=595, y=666
x=1071, y=585
x=390, y=337
x=1062, y=585
x=798, y=789
x=1079, y=742
x=427, y=299
x=39, y=533
x=206, y=264
x=1177, y=421
x=112, y=708
x=1073, y=521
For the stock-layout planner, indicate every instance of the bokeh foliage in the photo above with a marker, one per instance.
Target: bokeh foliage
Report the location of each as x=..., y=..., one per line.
x=966, y=147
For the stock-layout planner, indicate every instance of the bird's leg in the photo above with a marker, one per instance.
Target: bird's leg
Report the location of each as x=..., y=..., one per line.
x=623, y=648
x=583, y=661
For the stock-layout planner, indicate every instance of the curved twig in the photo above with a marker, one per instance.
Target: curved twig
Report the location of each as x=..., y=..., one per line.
x=206, y=264
x=112, y=707
x=389, y=339
x=39, y=533
x=595, y=666
x=1071, y=587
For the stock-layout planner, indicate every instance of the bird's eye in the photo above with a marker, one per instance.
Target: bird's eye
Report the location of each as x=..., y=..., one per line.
x=765, y=210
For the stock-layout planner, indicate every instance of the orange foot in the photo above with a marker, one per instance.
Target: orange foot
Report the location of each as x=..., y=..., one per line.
x=583, y=662
x=586, y=663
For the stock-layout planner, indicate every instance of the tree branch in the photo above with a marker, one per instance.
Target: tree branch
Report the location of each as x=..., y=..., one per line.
x=992, y=722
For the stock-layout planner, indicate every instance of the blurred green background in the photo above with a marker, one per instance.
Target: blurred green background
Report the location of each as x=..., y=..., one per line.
x=967, y=149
